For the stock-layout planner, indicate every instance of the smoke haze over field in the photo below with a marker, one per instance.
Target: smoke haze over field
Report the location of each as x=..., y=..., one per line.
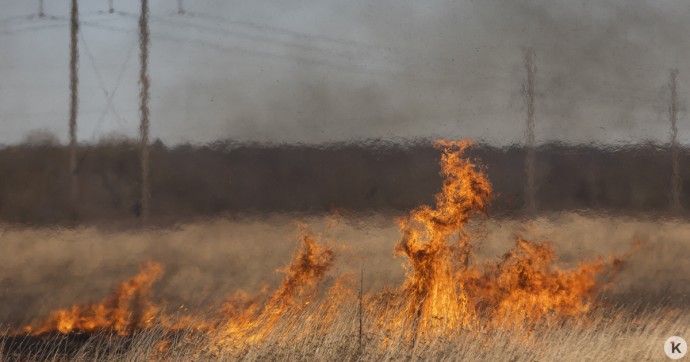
x=314, y=72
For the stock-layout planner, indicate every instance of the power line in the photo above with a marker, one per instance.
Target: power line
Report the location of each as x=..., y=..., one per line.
x=288, y=32
x=343, y=47
x=35, y=19
x=259, y=38
x=108, y=95
x=16, y=18
x=30, y=29
x=255, y=38
x=266, y=55
x=343, y=50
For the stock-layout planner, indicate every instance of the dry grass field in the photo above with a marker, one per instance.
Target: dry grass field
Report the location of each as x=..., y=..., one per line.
x=204, y=262
x=282, y=181
x=444, y=282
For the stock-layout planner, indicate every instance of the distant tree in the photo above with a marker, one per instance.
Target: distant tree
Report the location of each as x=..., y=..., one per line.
x=41, y=137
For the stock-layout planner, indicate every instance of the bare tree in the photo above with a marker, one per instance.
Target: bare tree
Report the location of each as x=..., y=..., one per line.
x=144, y=108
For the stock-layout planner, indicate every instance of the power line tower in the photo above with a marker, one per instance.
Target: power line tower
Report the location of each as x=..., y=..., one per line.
x=530, y=158
x=144, y=109
x=180, y=7
x=675, y=163
x=111, y=6
x=41, y=13
x=74, y=102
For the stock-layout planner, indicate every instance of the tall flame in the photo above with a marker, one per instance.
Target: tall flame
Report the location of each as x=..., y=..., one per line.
x=436, y=297
x=446, y=289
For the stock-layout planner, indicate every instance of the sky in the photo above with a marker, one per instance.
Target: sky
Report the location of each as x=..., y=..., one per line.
x=308, y=71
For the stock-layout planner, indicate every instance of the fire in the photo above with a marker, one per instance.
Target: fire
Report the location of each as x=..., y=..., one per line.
x=253, y=318
x=129, y=308
x=436, y=297
x=446, y=290
x=526, y=285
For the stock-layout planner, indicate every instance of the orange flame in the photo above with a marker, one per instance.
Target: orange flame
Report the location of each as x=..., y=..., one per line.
x=126, y=310
x=445, y=290
x=248, y=319
x=435, y=295
x=526, y=285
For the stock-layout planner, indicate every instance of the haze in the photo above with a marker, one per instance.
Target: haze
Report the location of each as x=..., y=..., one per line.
x=334, y=71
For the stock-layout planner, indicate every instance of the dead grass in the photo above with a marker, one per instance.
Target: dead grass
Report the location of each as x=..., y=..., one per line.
x=44, y=269
x=630, y=336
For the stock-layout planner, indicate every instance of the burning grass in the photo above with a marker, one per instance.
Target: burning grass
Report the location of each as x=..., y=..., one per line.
x=128, y=309
x=610, y=334
x=451, y=303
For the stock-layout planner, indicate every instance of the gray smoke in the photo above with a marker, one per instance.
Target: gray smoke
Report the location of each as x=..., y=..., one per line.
x=455, y=71
x=530, y=162
x=336, y=71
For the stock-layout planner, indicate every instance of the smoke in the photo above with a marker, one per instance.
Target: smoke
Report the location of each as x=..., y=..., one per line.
x=530, y=164
x=455, y=70
x=331, y=71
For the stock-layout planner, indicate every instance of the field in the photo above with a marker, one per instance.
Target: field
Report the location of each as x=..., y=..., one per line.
x=345, y=181
x=44, y=269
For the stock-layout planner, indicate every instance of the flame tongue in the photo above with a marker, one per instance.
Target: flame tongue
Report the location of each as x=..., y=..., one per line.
x=436, y=298
x=126, y=310
x=308, y=268
x=249, y=321
x=445, y=290
x=527, y=285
